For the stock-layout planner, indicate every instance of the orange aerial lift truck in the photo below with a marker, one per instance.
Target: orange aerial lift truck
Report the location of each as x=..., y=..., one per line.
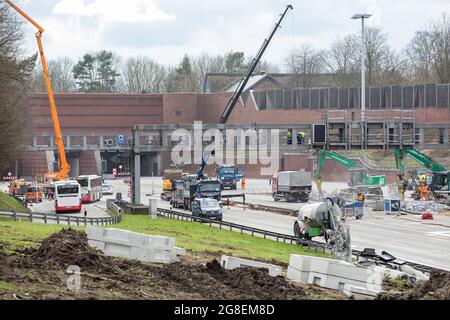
x=63, y=165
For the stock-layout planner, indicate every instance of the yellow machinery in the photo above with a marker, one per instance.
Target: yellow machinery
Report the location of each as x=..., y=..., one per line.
x=168, y=182
x=63, y=165
x=33, y=194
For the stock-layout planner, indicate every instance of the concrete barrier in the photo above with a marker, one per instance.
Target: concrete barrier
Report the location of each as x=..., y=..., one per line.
x=360, y=293
x=333, y=274
x=131, y=245
x=231, y=263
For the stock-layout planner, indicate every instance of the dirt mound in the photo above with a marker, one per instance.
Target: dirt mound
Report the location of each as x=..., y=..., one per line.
x=70, y=247
x=214, y=282
x=437, y=288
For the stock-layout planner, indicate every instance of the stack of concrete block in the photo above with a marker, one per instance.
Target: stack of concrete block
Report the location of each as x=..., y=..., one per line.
x=231, y=263
x=135, y=246
x=334, y=274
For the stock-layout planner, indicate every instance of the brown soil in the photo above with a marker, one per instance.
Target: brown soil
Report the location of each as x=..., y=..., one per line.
x=41, y=274
x=437, y=288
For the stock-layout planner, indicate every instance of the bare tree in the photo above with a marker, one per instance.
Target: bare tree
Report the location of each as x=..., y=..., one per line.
x=420, y=58
x=304, y=63
x=61, y=76
x=204, y=64
x=383, y=65
x=440, y=48
x=342, y=61
x=14, y=81
x=143, y=75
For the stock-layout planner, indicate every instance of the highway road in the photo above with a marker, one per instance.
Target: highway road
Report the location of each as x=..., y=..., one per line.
x=406, y=237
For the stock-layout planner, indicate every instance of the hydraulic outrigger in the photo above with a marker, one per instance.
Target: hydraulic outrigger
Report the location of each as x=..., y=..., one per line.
x=63, y=165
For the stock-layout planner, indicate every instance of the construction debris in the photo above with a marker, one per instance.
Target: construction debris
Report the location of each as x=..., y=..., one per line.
x=436, y=288
x=419, y=207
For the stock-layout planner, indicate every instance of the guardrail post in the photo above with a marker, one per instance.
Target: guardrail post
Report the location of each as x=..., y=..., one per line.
x=78, y=221
x=68, y=221
x=45, y=218
x=85, y=221
x=30, y=217
x=14, y=216
x=57, y=219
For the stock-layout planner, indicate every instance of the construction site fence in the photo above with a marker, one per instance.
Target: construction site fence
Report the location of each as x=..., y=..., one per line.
x=48, y=218
x=384, y=97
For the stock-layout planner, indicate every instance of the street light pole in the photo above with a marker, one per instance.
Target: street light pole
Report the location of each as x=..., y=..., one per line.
x=363, y=75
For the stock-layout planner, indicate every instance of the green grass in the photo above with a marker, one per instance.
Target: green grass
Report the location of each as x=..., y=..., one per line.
x=198, y=237
x=189, y=235
x=8, y=203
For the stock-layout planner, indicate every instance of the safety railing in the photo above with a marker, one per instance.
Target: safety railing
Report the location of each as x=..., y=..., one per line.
x=48, y=218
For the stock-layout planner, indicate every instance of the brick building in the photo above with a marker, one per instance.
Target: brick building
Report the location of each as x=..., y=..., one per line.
x=91, y=123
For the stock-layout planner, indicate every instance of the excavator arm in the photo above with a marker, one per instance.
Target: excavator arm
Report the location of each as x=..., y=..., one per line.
x=419, y=157
x=64, y=167
x=322, y=157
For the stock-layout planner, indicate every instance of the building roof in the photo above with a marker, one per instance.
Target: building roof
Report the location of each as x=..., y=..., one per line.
x=227, y=82
x=252, y=82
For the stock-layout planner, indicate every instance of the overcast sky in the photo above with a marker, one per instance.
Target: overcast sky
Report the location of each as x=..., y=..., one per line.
x=167, y=29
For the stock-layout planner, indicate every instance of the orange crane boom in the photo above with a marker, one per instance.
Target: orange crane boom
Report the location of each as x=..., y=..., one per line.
x=64, y=167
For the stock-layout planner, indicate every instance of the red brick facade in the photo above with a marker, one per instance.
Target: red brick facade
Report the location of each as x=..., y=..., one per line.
x=117, y=113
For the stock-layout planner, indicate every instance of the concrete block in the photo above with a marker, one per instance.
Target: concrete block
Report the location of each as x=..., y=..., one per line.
x=94, y=233
x=360, y=293
x=134, y=239
x=180, y=251
x=231, y=263
x=100, y=245
x=415, y=273
x=333, y=274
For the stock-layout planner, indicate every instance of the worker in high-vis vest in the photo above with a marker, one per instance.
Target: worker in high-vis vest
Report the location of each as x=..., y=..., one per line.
x=289, y=136
x=300, y=137
x=243, y=183
x=424, y=193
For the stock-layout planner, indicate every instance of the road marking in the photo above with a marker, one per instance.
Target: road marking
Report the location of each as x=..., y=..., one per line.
x=440, y=233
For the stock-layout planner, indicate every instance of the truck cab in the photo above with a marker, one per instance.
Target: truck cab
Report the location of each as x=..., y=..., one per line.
x=207, y=208
x=229, y=176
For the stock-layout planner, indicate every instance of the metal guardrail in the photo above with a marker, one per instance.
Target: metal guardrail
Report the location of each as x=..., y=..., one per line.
x=279, y=237
x=71, y=221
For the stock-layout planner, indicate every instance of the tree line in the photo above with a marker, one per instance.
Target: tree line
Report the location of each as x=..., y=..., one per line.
x=15, y=81
x=426, y=59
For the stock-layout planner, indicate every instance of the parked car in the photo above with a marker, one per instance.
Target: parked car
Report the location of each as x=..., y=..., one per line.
x=107, y=189
x=207, y=208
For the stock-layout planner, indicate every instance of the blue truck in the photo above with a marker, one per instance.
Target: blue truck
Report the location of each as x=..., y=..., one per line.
x=229, y=176
x=190, y=188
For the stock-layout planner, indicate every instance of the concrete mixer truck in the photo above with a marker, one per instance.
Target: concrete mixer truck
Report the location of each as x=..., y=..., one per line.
x=325, y=219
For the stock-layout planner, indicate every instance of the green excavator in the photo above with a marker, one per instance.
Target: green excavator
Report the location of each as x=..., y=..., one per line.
x=440, y=183
x=360, y=180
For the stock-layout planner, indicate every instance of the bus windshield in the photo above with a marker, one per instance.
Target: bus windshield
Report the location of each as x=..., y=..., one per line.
x=67, y=189
x=83, y=182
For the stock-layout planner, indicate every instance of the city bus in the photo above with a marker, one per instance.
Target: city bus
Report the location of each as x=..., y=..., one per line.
x=91, y=188
x=67, y=196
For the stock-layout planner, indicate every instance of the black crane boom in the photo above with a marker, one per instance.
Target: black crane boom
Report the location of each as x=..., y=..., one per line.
x=236, y=95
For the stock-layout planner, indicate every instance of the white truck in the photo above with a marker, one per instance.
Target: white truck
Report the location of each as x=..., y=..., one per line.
x=292, y=186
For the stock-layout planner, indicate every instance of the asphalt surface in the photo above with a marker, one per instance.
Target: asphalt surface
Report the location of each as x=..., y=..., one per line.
x=406, y=237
